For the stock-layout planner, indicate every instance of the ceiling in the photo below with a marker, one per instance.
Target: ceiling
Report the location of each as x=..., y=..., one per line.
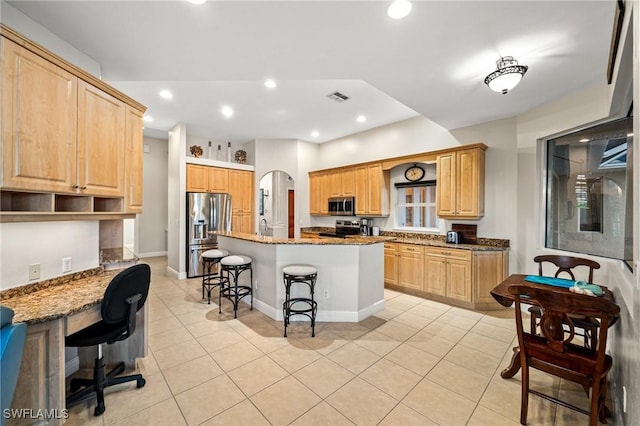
x=431, y=63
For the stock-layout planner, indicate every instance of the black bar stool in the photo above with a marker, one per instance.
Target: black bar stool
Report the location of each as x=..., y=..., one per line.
x=307, y=306
x=210, y=280
x=234, y=265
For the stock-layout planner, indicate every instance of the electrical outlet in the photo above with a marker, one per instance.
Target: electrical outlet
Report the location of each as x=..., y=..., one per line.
x=34, y=271
x=326, y=294
x=66, y=264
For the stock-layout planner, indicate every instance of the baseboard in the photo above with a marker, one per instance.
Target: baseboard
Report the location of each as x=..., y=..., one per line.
x=152, y=254
x=175, y=274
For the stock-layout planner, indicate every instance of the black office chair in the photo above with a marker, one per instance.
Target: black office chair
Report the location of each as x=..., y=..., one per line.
x=124, y=296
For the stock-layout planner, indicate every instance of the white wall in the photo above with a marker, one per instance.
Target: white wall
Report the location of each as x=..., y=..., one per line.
x=46, y=243
x=176, y=220
x=152, y=223
x=24, y=25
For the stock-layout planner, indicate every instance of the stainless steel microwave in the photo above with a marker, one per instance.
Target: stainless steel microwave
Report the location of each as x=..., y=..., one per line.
x=342, y=206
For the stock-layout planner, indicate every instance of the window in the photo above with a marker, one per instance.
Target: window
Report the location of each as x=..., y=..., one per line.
x=416, y=207
x=589, y=203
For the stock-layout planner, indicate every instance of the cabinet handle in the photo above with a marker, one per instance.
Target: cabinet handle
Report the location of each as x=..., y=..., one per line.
x=83, y=187
x=75, y=187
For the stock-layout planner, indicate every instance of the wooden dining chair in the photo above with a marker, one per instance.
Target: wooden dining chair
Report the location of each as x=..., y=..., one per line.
x=552, y=351
x=588, y=327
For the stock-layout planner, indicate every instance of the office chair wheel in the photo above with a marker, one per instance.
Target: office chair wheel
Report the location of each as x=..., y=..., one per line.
x=140, y=383
x=99, y=409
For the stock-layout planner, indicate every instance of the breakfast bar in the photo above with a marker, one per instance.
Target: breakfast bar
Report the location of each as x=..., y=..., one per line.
x=350, y=284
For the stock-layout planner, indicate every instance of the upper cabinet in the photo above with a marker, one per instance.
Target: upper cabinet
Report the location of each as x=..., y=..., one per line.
x=318, y=193
x=460, y=177
x=372, y=190
x=342, y=183
x=133, y=161
x=241, y=190
x=207, y=179
x=71, y=144
x=39, y=122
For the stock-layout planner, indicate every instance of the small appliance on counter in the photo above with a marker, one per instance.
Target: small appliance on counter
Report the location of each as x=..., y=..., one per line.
x=375, y=231
x=454, y=237
x=365, y=226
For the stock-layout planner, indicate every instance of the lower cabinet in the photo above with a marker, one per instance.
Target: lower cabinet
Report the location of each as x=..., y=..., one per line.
x=456, y=276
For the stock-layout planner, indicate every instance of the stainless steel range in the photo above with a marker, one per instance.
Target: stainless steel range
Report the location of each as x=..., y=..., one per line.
x=343, y=228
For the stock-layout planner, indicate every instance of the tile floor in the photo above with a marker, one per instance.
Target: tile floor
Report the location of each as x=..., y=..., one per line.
x=418, y=362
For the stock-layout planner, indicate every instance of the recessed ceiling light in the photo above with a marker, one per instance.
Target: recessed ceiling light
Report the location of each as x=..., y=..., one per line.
x=271, y=84
x=227, y=111
x=361, y=119
x=197, y=1
x=165, y=94
x=147, y=118
x=315, y=134
x=399, y=9
x=584, y=140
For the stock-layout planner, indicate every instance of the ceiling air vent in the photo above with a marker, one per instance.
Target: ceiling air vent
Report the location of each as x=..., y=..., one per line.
x=338, y=97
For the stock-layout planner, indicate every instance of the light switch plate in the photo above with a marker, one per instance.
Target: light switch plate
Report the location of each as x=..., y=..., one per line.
x=66, y=264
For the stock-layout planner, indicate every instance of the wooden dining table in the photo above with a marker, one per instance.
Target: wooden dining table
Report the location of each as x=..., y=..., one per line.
x=501, y=294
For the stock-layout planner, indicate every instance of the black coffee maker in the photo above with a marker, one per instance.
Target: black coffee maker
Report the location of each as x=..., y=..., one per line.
x=365, y=226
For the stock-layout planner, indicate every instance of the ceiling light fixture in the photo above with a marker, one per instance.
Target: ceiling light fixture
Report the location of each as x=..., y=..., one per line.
x=361, y=119
x=507, y=76
x=583, y=140
x=315, y=134
x=165, y=94
x=227, y=111
x=147, y=118
x=399, y=9
x=269, y=83
x=197, y=1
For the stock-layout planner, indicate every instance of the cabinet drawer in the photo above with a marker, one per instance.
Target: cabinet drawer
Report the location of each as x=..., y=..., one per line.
x=449, y=253
x=390, y=247
x=411, y=249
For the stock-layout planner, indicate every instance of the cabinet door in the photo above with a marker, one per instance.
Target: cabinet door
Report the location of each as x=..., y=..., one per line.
x=459, y=280
x=241, y=190
x=411, y=267
x=446, y=178
x=335, y=183
x=436, y=275
x=470, y=183
x=241, y=222
x=324, y=194
x=133, y=162
x=218, y=180
x=39, y=119
x=349, y=182
x=391, y=263
x=362, y=190
x=376, y=186
x=197, y=178
x=315, y=194
x=101, y=144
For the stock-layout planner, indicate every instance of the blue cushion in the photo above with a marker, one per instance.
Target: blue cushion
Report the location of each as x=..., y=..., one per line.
x=12, y=338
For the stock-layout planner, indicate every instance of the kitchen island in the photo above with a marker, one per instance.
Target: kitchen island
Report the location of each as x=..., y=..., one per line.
x=350, y=285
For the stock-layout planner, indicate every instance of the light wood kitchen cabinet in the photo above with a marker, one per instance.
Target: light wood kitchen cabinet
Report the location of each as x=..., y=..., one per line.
x=39, y=119
x=391, y=263
x=241, y=190
x=452, y=272
x=372, y=190
x=411, y=266
x=101, y=142
x=460, y=177
x=312, y=235
x=133, y=161
x=341, y=182
x=66, y=140
x=207, y=179
x=318, y=193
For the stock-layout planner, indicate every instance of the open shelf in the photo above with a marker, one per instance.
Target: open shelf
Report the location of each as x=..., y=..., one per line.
x=73, y=203
x=25, y=202
x=108, y=205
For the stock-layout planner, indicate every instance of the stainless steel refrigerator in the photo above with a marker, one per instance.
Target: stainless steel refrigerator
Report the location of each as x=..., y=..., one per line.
x=206, y=212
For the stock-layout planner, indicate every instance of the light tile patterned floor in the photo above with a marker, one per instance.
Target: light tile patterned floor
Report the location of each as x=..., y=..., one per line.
x=418, y=362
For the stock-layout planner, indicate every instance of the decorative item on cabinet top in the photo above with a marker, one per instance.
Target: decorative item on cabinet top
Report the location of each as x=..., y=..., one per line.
x=241, y=156
x=196, y=150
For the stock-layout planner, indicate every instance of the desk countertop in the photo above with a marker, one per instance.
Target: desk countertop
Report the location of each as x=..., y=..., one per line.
x=58, y=297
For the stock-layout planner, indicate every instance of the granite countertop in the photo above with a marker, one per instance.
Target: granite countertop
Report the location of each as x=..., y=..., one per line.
x=352, y=240
x=58, y=297
x=431, y=240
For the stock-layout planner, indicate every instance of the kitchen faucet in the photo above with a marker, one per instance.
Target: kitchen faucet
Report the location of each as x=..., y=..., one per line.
x=260, y=229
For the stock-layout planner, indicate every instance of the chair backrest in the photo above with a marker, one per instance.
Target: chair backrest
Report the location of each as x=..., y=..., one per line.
x=552, y=345
x=566, y=264
x=125, y=295
x=12, y=339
